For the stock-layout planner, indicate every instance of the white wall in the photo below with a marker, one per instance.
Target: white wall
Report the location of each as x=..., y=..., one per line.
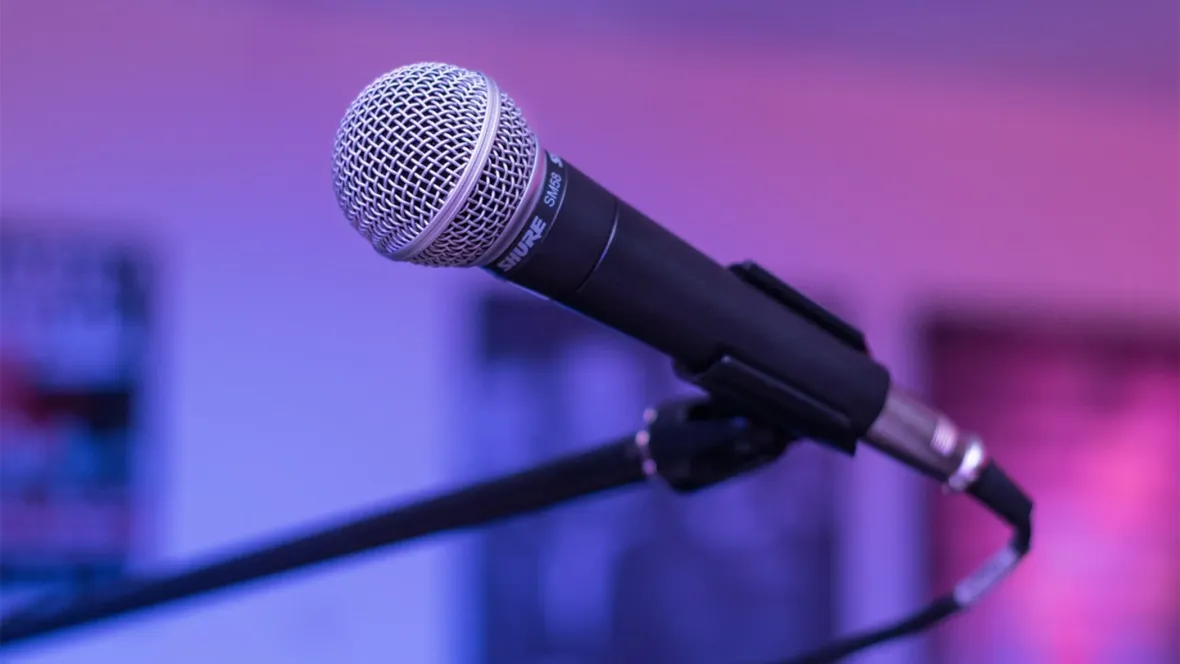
x=303, y=376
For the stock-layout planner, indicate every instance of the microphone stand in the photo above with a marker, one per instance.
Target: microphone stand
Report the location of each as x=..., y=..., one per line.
x=689, y=444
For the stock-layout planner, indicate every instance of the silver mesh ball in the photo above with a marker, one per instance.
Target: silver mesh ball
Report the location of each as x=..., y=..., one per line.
x=432, y=163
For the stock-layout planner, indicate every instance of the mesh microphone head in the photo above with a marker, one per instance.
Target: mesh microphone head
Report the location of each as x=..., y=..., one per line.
x=432, y=164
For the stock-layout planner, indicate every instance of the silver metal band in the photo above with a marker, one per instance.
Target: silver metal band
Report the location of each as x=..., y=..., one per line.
x=467, y=182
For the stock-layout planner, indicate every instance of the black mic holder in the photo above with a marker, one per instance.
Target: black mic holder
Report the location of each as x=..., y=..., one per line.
x=766, y=397
x=689, y=444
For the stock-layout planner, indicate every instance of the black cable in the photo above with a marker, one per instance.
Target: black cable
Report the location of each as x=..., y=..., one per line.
x=603, y=468
x=843, y=647
x=995, y=491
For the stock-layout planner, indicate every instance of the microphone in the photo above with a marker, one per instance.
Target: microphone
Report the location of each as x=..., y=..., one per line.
x=435, y=165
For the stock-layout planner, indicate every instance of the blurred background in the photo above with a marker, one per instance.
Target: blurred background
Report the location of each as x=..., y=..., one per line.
x=197, y=352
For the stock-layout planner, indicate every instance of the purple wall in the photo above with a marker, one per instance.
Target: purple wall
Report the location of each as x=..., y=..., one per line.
x=303, y=376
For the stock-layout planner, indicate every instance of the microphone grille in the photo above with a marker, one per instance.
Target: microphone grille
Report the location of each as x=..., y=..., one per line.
x=431, y=164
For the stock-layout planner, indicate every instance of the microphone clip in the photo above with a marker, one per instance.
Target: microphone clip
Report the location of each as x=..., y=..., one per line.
x=771, y=398
x=761, y=279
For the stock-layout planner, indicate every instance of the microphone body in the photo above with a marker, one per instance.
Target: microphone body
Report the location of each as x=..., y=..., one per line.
x=737, y=332
x=435, y=165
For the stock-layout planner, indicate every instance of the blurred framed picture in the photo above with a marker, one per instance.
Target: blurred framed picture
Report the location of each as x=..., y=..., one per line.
x=743, y=571
x=1087, y=419
x=74, y=328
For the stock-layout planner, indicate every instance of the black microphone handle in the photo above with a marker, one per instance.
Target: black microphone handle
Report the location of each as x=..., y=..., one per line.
x=784, y=357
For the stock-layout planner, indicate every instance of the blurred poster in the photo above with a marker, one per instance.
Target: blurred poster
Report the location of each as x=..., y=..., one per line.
x=1089, y=423
x=73, y=325
x=742, y=571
